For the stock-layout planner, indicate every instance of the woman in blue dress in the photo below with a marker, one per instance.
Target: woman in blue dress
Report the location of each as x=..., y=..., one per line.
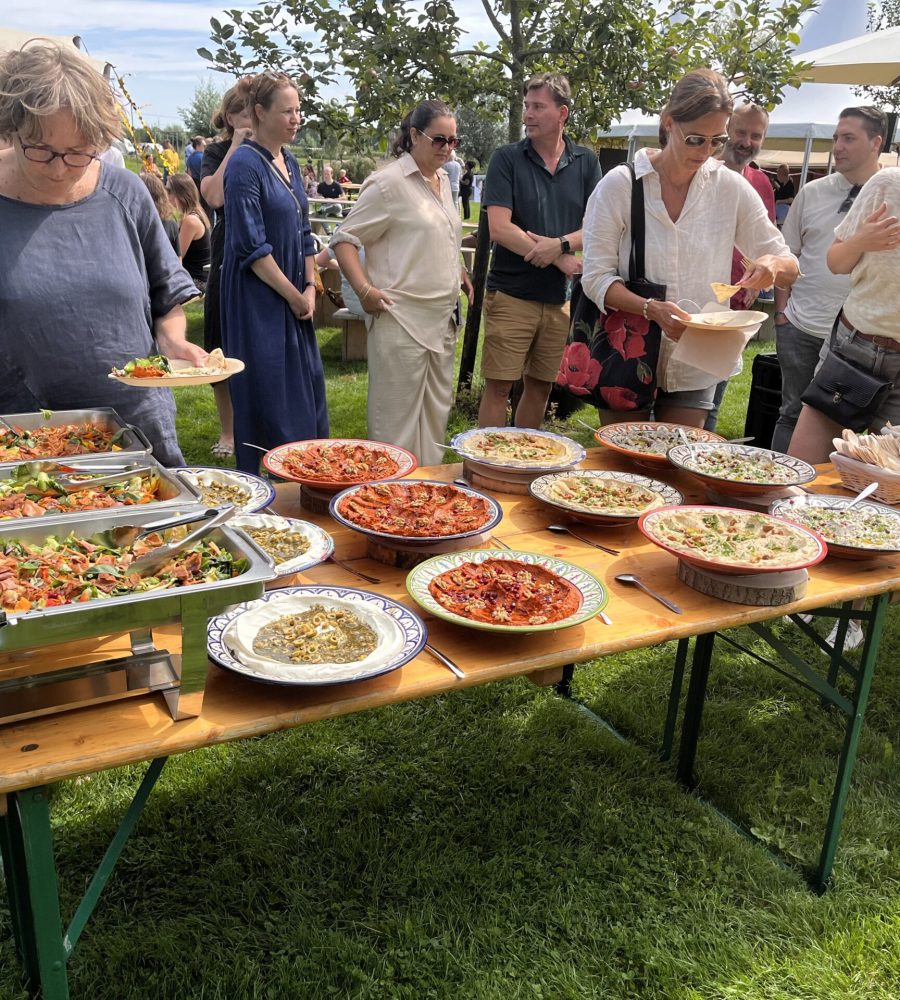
x=268, y=293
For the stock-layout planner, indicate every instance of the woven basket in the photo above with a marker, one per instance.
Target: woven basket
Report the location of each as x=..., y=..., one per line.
x=857, y=476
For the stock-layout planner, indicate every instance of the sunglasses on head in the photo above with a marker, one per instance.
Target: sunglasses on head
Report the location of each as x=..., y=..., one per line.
x=716, y=142
x=439, y=141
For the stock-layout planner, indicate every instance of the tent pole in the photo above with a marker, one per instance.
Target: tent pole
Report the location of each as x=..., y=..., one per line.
x=807, y=152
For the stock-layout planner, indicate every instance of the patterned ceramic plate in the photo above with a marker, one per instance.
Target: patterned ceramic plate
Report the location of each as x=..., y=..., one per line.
x=649, y=441
x=730, y=540
x=406, y=626
x=319, y=544
x=592, y=592
x=217, y=486
x=561, y=491
x=869, y=529
x=508, y=448
x=739, y=469
x=274, y=461
x=406, y=491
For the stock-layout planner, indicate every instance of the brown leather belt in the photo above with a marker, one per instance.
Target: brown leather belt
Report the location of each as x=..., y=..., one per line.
x=885, y=343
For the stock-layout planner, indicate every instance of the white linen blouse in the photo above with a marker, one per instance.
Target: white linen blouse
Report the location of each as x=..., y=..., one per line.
x=412, y=240
x=721, y=211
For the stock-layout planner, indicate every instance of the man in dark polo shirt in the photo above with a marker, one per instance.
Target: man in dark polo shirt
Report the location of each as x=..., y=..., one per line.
x=535, y=195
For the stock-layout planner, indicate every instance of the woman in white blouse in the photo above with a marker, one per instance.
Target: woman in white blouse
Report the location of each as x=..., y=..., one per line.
x=696, y=211
x=406, y=222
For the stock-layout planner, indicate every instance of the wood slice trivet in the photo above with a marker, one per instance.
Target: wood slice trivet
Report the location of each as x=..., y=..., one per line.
x=496, y=483
x=409, y=556
x=760, y=502
x=764, y=590
x=315, y=501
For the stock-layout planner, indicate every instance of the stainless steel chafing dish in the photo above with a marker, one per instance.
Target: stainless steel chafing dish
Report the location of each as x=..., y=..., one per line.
x=132, y=440
x=25, y=692
x=173, y=489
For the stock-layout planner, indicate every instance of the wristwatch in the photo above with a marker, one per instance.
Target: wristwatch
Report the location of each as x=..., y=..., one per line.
x=564, y=243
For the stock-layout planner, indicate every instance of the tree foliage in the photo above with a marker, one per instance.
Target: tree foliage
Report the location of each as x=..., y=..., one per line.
x=480, y=132
x=198, y=114
x=883, y=14
x=617, y=55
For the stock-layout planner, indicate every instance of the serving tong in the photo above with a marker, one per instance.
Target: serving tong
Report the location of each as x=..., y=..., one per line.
x=125, y=535
x=64, y=475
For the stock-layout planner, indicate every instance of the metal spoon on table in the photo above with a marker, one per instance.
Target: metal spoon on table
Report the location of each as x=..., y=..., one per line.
x=638, y=582
x=564, y=529
x=448, y=663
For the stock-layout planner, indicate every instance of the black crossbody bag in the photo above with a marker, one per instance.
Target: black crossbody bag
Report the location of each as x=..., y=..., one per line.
x=844, y=393
x=611, y=360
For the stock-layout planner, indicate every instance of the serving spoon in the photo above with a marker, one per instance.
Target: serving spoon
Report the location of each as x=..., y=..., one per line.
x=564, y=529
x=638, y=582
x=868, y=491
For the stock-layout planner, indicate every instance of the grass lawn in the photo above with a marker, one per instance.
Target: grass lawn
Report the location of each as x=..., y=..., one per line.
x=495, y=844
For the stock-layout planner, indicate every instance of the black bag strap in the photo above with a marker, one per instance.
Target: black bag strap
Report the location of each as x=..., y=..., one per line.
x=636, y=256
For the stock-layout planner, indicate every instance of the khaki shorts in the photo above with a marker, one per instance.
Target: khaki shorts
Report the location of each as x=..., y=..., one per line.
x=523, y=337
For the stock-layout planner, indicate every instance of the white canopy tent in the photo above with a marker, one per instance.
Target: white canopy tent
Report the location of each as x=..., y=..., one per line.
x=11, y=39
x=872, y=60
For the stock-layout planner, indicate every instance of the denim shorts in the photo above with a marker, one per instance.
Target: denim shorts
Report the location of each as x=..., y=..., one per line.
x=876, y=361
x=696, y=399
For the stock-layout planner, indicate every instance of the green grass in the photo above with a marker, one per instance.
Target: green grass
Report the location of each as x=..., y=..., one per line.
x=495, y=844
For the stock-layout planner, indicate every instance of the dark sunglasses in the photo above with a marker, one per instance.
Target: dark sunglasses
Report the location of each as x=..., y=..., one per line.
x=716, y=142
x=439, y=141
x=847, y=203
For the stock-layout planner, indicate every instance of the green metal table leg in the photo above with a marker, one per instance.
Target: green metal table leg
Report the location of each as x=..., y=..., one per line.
x=14, y=874
x=43, y=929
x=834, y=666
x=681, y=655
x=693, y=708
x=851, y=741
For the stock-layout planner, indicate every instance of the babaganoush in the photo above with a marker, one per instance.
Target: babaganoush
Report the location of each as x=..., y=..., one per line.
x=505, y=592
x=732, y=538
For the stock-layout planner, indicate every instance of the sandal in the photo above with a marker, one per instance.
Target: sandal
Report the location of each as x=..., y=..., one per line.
x=222, y=450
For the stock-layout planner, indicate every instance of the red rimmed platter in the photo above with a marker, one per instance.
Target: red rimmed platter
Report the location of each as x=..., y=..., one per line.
x=648, y=442
x=334, y=464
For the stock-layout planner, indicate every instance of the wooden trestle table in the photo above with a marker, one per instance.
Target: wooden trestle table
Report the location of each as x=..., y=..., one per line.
x=37, y=752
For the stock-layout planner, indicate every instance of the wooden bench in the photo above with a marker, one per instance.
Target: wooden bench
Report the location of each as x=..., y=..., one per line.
x=353, y=335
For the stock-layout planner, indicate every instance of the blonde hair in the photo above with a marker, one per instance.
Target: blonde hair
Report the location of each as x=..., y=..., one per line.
x=234, y=101
x=698, y=93
x=41, y=79
x=264, y=87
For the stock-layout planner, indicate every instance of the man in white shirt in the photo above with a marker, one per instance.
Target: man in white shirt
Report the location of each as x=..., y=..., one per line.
x=805, y=315
x=453, y=169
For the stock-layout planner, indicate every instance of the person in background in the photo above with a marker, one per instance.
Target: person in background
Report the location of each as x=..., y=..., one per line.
x=232, y=120
x=466, y=183
x=164, y=208
x=310, y=181
x=268, y=282
x=194, y=229
x=170, y=159
x=747, y=129
x=410, y=230
x=696, y=212
x=193, y=159
x=148, y=164
x=785, y=192
x=344, y=177
x=453, y=170
x=330, y=191
x=535, y=193
x=113, y=157
x=867, y=330
x=805, y=315
x=61, y=210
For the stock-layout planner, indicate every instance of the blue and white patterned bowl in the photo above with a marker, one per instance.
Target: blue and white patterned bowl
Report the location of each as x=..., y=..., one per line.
x=574, y=452
x=408, y=622
x=261, y=491
x=320, y=543
x=795, y=472
x=541, y=489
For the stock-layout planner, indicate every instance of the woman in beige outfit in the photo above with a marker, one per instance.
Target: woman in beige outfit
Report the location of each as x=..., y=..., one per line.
x=406, y=222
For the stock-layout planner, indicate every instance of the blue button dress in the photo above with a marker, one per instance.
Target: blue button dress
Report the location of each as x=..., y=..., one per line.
x=280, y=395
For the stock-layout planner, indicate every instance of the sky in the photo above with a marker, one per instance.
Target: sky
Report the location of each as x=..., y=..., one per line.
x=153, y=44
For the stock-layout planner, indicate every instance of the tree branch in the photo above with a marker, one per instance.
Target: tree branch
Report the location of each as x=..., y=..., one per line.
x=492, y=17
x=484, y=55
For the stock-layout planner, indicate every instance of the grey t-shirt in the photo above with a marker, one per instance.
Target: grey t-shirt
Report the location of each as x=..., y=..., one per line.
x=80, y=287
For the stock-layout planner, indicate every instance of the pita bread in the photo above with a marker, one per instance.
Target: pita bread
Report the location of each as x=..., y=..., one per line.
x=215, y=363
x=723, y=292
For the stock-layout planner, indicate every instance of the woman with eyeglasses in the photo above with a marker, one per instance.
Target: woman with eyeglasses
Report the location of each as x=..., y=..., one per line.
x=696, y=211
x=268, y=292
x=406, y=222
x=88, y=277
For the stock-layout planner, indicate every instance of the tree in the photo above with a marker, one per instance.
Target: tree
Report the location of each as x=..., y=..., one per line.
x=882, y=14
x=197, y=116
x=480, y=133
x=617, y=55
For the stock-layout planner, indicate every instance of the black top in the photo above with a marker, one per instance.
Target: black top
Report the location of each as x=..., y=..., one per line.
x=197, y=257
x=541, y=202
x=171, y=228
x=332, y=190
x=783, y=191
x=213, y=155
x=466, y=181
